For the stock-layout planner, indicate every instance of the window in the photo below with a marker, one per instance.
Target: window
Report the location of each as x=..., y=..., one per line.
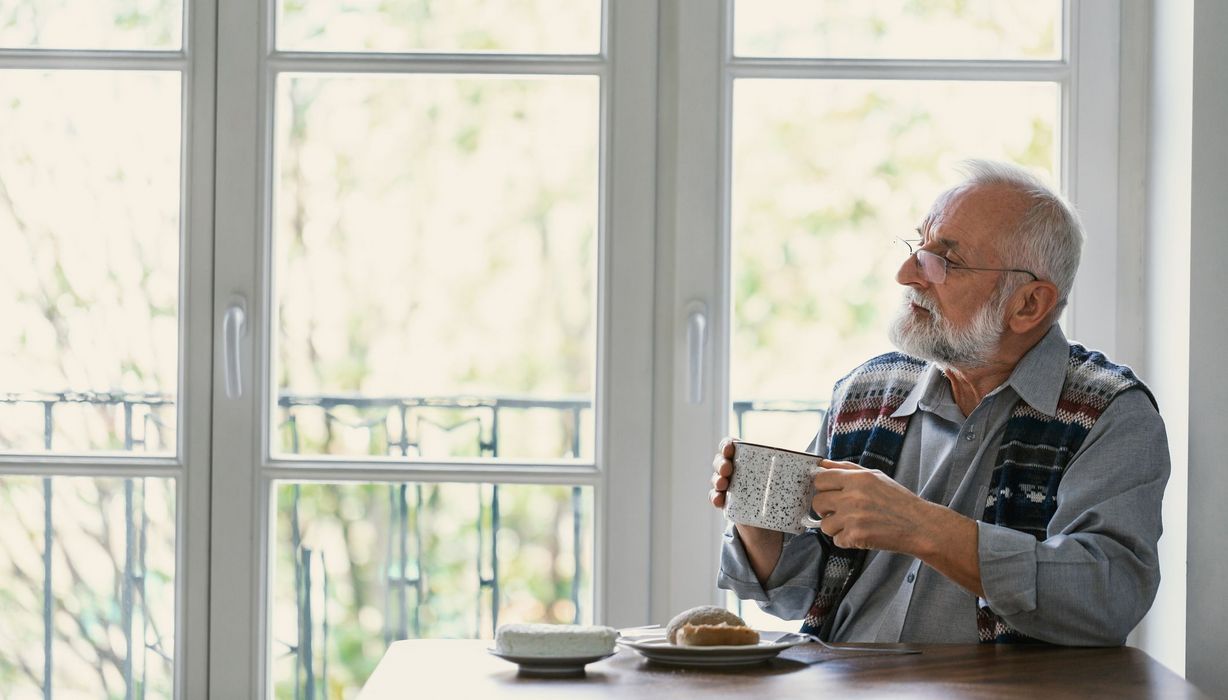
x=392, y=276
x=428, y=249
x=824, y=169
x=95, y=403
x=828, y=167
x=840, y=124
x=340, y=322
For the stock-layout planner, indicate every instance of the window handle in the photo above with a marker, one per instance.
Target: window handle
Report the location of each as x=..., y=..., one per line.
x=234, y=326
x=696, y=339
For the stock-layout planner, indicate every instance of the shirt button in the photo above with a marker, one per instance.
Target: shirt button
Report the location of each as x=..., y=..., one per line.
x=911, y=578
x=970, y=436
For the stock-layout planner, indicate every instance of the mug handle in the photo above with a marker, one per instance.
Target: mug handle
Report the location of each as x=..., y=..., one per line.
x=807, y=521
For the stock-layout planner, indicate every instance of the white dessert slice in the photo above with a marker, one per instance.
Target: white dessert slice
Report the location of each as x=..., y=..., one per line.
x=559, y=641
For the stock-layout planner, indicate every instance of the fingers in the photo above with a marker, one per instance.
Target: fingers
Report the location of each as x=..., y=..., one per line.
x=831, y=526
x=833, y=464
x=722, y=472
x=823, y=503
x=840, y=475
x=837, y=529
x=829, y=481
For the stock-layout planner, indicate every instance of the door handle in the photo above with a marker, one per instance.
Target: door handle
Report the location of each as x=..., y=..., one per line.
x=234, y=326
x=696, y=339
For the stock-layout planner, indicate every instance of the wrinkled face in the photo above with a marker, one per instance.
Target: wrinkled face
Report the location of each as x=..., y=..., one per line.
x=960, y=321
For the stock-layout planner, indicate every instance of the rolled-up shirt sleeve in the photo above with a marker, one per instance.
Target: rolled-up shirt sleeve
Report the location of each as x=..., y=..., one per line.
x=790, y=588
x=1095, y=575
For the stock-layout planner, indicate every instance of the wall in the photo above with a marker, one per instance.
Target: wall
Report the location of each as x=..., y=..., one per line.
x=1166, y=274
x=1207, y=601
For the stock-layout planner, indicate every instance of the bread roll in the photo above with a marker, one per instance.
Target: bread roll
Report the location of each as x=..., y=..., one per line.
x=702, y=615
x=716, y=635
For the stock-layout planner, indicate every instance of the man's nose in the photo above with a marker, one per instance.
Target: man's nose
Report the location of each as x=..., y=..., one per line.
x=909, y=273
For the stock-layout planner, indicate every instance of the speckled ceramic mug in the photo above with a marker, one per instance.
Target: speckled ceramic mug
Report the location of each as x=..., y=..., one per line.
x=771, y=488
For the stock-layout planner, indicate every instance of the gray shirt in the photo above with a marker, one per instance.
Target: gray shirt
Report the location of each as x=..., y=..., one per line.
x=1088, y=582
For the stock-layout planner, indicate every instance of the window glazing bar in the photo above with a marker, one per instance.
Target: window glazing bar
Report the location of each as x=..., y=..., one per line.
x=897, y=69
x=320, y=62
x=389, y=471
x=71, y=59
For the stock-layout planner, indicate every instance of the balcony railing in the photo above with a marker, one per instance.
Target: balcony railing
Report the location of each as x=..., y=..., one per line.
x=400, y=418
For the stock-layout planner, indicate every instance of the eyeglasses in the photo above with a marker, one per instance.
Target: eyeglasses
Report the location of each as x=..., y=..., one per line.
x=934, y=267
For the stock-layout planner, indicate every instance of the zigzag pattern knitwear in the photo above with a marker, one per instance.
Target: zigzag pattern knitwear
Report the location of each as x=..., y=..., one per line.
x=1035, y=451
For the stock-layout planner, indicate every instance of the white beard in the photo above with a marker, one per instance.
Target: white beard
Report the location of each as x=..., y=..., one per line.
x=937, y=340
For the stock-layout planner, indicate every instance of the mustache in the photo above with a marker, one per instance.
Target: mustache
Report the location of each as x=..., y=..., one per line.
x=915, y=297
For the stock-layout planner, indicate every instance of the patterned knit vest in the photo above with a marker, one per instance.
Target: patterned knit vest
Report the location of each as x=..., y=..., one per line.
x=1031, y=460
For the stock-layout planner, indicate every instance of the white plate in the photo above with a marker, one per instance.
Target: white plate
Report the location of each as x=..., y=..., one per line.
x=657, y=648
x=551, y=665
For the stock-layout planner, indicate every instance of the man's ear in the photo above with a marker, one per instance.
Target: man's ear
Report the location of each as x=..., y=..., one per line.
x=1031, y=306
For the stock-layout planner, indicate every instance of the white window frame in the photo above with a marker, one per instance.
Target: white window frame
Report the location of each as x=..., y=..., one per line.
x=693, y=228
x=244, y=470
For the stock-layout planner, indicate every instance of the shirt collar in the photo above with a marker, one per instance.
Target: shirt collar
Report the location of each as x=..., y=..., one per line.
x=924, y=394
x=1041, y=372
x=1037, y=378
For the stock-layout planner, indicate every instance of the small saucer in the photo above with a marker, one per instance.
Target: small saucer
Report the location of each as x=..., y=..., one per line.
x=551, y=665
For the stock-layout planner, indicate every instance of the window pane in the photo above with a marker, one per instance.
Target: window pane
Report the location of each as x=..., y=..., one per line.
x=111, y=576
x=89, y=284
x=826, y=173
x=358, y=566
x=920, y=29
x=91, y=24
x=447, y=26
x=435, y=257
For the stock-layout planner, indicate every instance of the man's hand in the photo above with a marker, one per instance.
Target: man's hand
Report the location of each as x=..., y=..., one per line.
x=866, y=509
x=722, y=472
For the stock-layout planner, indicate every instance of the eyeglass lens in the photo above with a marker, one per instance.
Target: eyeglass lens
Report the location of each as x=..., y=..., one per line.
x=933, y=267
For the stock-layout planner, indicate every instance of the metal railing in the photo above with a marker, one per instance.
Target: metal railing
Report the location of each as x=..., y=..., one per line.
x=141, y=425
x=401, y=421
x=743, y=409
x=132, y=597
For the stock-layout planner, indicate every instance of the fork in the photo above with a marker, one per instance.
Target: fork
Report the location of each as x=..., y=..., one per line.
x=854, y=649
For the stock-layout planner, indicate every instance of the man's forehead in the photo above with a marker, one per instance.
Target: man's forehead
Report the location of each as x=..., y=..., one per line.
x=941, y=229
x=964, y=215
x=957, y=201
x=974, y=207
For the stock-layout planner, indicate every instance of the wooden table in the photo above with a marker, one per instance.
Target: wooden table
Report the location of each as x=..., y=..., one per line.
x=463, y=669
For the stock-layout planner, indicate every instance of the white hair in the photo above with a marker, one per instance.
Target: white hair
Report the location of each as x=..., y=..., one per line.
x=1049, y=238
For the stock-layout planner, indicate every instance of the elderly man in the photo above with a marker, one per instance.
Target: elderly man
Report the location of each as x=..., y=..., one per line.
x=993, y=482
